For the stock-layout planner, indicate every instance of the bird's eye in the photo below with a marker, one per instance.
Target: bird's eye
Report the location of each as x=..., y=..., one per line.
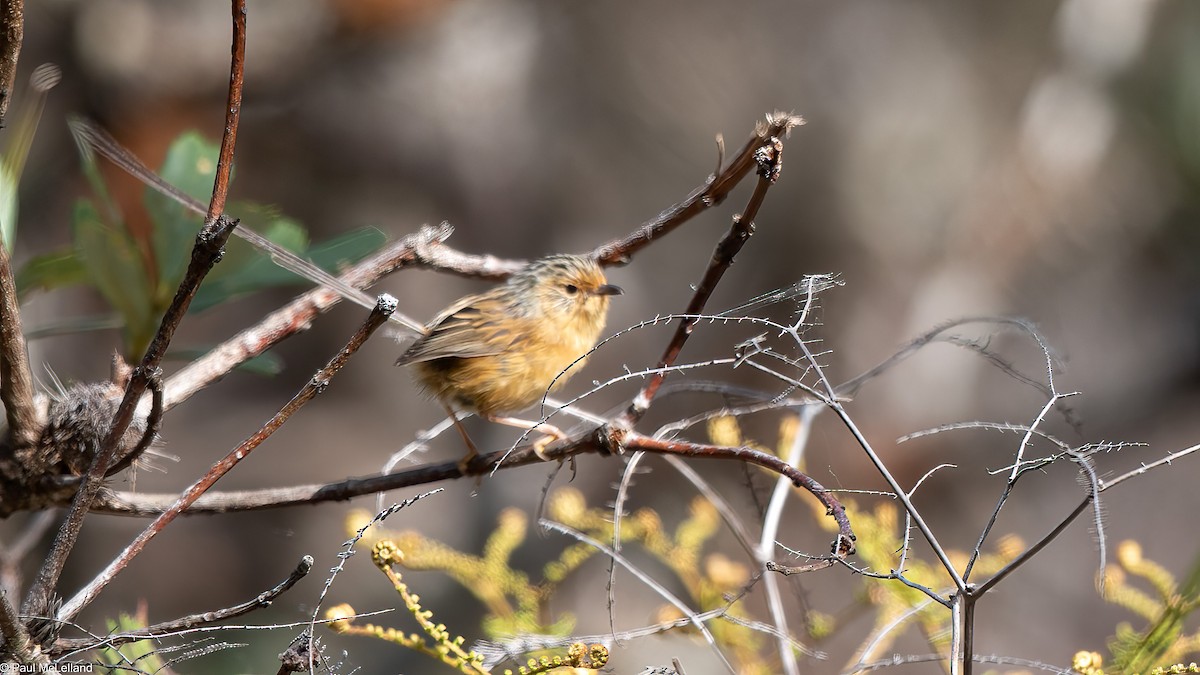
x=572, y=289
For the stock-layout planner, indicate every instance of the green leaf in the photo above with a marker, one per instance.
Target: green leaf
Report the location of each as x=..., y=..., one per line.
x=191, y=166
x=332, y=256
x=264, y=364
x=51, y=270
x=116, y=269
x=8, y=205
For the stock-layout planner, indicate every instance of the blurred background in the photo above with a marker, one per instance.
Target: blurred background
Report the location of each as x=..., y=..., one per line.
x=1032, y=159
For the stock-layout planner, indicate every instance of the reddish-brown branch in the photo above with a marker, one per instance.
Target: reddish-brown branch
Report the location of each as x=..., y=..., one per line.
x=713, y=192
x=210, y=244
x=842, y=547
x=603, y=440
x=233, y=113
x=263, y=599
x=769, y=157
x=619, y=251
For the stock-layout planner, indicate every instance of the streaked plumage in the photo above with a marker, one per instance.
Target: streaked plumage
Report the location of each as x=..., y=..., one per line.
x=499, y=351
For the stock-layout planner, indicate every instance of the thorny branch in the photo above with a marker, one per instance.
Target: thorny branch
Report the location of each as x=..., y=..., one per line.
x=63, y=646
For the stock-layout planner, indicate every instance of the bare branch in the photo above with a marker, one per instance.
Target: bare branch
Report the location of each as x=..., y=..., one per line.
x=769, y=157
x=12, y=34
x=191, y=621
x=315, y=386
x=712, y=193
x=210, y=243
x=16, y=378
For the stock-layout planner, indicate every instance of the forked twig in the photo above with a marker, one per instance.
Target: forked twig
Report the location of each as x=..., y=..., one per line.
x=769, y=158
x=712, y=193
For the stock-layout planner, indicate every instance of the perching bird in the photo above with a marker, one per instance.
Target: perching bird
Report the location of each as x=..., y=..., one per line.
x=502, y=350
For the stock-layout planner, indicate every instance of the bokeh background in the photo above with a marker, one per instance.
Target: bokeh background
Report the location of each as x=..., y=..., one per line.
x=1029, y=158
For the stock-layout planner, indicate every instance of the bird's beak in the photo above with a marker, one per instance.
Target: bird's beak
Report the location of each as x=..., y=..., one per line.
x=609, y=289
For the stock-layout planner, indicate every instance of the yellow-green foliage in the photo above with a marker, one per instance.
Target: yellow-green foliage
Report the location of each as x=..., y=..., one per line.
x=1091, y=663
x=438, y=642
x=440, y=645
x=1164, y=608
x=516, y=606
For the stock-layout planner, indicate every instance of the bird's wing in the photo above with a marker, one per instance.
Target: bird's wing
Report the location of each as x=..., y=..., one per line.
x=464, y=331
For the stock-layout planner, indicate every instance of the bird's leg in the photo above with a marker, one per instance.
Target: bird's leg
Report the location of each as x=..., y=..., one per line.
x=472, y=451
x=551, y=432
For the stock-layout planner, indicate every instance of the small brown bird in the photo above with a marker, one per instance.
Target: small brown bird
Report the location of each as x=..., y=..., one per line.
x=502, y=350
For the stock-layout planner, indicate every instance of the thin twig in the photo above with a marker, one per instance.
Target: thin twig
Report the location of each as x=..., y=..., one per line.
x=191, y=621
x=1080, y=508
x=769, y=158
x=16, y=378
x=618, y=517
x=153, y=425
x=772, y=519
x=712, y=193
x=93, y=138
x=1013, y=477
x=314, y=386
x=210, y=243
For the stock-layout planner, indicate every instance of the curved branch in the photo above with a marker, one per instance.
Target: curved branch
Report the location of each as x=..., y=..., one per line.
x=263, y=599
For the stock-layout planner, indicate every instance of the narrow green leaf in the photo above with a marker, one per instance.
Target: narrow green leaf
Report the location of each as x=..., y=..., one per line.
x=8, y=205
x=116, y=269
x=51, y=270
